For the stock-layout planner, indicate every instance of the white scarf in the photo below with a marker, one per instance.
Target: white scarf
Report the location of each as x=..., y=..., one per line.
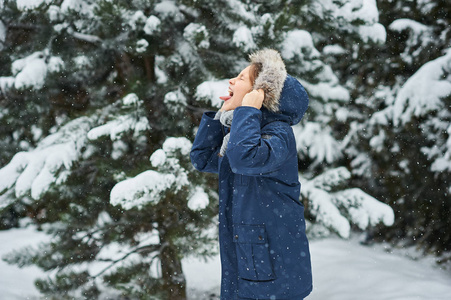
x=225, y=117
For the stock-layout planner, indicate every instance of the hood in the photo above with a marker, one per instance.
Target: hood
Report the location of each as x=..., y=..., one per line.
x=292, y=104
x=271, y=77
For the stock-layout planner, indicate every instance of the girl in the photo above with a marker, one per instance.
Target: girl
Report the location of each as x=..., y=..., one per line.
x=249, y=142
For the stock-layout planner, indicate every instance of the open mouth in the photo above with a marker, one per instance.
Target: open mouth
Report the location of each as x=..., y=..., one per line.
x=225, y=98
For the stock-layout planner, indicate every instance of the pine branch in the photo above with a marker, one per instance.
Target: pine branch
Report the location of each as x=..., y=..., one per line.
x=151, y=247
x=93, y=39
x=21, y=26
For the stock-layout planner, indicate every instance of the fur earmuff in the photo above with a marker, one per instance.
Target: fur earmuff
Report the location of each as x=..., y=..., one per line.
x=271, y=77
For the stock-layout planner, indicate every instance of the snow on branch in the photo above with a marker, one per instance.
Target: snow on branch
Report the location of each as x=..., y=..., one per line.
x=147, y=187
x=299, y=42
x=363, y=209
x=420, y=37
x=198, y=200
x=36, y=170
x=443, y=163
x=347, y=13
x=327, y=91
x=2, y=34
x=424, y=91
x=24, y=5
x=322, y=207
x=331, y=178
x=151, y=186
x=31, y=71
x=242, y=38
x=298, y=45
x=316, y=142
x=130, y=121
x=336, y=210
x=85, y=37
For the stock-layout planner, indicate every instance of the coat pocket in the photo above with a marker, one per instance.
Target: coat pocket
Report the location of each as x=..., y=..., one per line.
x=254, y=262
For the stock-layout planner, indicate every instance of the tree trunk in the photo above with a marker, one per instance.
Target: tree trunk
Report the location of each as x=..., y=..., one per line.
x=174, y=282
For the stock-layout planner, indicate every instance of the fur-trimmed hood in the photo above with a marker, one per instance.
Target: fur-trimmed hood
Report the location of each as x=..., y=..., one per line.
x=271, y=78
x=285, y=98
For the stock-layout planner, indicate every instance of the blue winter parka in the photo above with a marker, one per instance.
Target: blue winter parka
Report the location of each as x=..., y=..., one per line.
x=263, y=247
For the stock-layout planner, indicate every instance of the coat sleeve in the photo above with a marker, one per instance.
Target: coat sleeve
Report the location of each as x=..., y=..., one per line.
x=207, y=143
x=252, y=151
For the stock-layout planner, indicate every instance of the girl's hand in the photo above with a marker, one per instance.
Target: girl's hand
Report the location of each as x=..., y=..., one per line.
x=254, y=98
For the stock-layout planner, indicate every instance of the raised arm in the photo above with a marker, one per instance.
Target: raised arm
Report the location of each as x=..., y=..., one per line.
x=252, y=151
x=207, y=143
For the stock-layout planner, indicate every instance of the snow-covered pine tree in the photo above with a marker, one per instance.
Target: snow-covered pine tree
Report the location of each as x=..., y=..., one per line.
x=398, y=120
x=80, y=132
x=103, y=84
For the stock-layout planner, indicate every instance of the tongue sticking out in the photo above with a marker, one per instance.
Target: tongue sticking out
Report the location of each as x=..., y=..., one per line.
x=225, y=98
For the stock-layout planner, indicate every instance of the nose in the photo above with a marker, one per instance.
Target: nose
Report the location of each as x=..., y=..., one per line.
x=232, y=80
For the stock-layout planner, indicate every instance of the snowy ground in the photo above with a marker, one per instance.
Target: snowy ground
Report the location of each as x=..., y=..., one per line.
x=341, y=269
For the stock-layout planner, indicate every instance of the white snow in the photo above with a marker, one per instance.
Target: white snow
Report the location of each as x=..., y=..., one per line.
x=54, y=13
x=152, y=25
x=265, y=27
x=81, y=61
x=364, y=209
x=116, y=128
x=119, y=149
x=2, y=34
x=210, y=91
x=419, y=39
x=18, y=283
x=169, y=9
x=28, y=4
x=243, y=39
x=326, y=91
x=333, y=207
x=6, y=83
x=375, y=33
x=158, y=158
x=34, y=171
x=444, y=163
x=172, y=144
x=147, y=187
x=131, y=99
x=199, y=200
x=424, y=91
x=151, y=186
x=241, y=9
x=75, y=5
x=137, y=18
x=404, y=24
x=141, y=45
x=55, y=64
x=344, y=13
x=30, y=72
x=330, y=178
x=162, y=77
x=377, y=141
x=321, y=205
x=342, y=270
x=316, y=142
x=298, y=42
x=333, y=50
x=175, y=101
x=197, y=35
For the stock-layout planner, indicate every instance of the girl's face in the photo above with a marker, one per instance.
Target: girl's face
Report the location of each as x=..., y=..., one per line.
x=238, y=88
